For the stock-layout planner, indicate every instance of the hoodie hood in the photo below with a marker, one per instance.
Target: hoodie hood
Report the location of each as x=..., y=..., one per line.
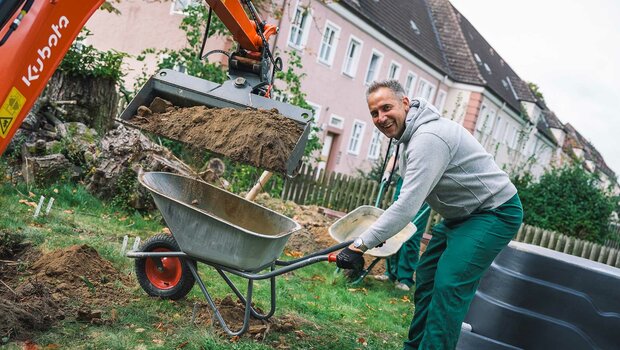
x=420, y=112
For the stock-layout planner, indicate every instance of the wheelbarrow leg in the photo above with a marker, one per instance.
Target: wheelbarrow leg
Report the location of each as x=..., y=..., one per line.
x=254, y=313
x=366, y=271
x=220, y=319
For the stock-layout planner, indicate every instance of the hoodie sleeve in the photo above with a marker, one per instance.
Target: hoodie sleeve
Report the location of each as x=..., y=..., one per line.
x=427, y=159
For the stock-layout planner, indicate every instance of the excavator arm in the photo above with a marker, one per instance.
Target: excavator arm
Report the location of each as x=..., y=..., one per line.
x=36, y=35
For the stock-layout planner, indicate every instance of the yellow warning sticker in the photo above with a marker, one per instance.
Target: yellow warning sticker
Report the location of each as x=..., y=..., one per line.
x=9, y=110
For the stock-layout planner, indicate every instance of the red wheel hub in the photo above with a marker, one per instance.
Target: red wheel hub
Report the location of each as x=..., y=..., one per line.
x=168, y=275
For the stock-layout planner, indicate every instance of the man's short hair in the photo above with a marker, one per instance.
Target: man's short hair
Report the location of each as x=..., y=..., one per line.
x=393, y=85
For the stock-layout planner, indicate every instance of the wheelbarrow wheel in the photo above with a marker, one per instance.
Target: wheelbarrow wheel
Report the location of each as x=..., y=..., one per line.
x=167, y=278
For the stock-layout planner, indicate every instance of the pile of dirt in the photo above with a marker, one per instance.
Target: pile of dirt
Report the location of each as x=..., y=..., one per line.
x=233, y=312
x=315, y=233
x=262, y=138
x=80, y=273
x=39, y=289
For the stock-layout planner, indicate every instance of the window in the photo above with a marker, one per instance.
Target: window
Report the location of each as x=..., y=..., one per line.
x=394, y=71
x=299, y=28
x=179, y=6
x=336, y=122
x=509, y=137
x=373, y=67
x=328, y=44
x=490, y=122
x=498, y=129
x=426, y=90
x=352, y=57
x=409, y=84
x=355, y=142
x=375, y=144
x=316, y=112
x=440, y=101
x=483, y=119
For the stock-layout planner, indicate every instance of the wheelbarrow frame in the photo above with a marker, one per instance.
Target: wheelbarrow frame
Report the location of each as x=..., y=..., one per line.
x=249, y=311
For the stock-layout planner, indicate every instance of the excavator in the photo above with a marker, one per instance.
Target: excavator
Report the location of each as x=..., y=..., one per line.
x=36, y=34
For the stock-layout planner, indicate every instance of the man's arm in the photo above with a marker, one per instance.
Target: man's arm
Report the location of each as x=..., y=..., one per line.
x=428, y=157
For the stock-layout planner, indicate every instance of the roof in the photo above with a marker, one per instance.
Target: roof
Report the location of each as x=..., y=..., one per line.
x=575, y=140
x=552, y=119
x=460, y=60
x=393, y=18
x=499, y=76
x=544, y=128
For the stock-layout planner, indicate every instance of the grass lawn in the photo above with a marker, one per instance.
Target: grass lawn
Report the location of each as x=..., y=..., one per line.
x=327, y=313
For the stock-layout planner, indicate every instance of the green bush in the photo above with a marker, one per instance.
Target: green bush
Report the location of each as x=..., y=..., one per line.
x=567, y=200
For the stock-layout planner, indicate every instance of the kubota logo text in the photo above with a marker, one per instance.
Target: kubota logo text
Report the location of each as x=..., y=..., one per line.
x=45, y=52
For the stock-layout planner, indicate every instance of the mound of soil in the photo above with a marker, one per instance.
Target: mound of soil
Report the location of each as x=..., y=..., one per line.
x=262, y=138
x=80, y=273
x=233, y=311
x=69, y=282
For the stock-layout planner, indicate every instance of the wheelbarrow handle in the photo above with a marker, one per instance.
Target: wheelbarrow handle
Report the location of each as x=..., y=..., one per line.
x=332, y=257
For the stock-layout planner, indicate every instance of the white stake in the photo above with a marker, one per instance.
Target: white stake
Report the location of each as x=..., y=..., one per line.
x=49, y=206
x=36, y=211
x=125, y=240
x=136, y=244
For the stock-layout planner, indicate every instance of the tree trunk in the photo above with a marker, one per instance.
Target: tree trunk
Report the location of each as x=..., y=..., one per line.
x=96, y=99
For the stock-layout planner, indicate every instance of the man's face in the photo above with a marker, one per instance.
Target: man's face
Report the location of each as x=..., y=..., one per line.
x=388, y=112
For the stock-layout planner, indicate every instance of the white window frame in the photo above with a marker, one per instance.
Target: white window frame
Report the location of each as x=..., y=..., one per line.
x=174, y=8
x=302, y=32
x=397, y=67
x=483, y=118
x=355, y=59
x=316, y=109
x=491, y=121
x=367, y=78
x=336, y=121
x=422, y=85
x=329, y=60
x=409, y=90
x=374, y=150
x=498, y=128
x=440, y=100
x=355, y=140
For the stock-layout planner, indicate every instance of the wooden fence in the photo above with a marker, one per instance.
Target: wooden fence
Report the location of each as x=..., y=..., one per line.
x=345, y=193
x=333, y=190
x=569, y=245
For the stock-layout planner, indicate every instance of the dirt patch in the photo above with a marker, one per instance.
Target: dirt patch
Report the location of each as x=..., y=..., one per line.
x=72, y=282
x=262, y=138
x=233, y=311
x=315, y=233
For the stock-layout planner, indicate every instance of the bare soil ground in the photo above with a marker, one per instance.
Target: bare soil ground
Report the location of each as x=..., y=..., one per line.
x=262, y=138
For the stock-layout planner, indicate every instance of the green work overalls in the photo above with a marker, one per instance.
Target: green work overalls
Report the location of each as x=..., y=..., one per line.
x=450, y=269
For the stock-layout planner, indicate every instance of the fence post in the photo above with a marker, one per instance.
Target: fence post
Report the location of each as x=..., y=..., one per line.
x=335, y=188
x=611, y=258
x=544, y=241
x=529, y=234
x=570, y=244
x=520, y=234
x=596, y=249
x=578, y=247
x=537, y=236
x=617, y=263
x=552, y=239
x=603, y=256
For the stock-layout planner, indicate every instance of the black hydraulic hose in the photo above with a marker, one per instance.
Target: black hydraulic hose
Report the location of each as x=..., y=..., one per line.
x=204, y=38
x=17, y=21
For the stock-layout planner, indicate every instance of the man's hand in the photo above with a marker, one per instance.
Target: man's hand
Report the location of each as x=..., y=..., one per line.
x=350, y=259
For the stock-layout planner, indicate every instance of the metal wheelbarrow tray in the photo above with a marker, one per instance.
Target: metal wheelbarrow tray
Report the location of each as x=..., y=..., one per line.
x=222, y=230
x=211, y=224
x=352, y=225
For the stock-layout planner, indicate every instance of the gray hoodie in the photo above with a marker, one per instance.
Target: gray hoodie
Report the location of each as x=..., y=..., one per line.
x=444, y=165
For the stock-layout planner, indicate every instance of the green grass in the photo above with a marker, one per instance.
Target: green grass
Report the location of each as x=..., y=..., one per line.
x=336, y=315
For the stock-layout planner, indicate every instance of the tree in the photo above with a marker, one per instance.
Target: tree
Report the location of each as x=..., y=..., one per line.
x=568, y=200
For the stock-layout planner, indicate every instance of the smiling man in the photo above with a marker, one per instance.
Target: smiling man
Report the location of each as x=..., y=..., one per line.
x=444, y=165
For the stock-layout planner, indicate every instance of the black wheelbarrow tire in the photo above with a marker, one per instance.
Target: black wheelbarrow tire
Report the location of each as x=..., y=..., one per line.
x=173, y=280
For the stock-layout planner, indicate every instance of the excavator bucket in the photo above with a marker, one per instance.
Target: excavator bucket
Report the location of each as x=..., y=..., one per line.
x=182, y=90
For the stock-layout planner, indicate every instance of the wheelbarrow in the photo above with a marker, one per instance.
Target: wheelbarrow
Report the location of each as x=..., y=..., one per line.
x=220, y=229
x=352, y=225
